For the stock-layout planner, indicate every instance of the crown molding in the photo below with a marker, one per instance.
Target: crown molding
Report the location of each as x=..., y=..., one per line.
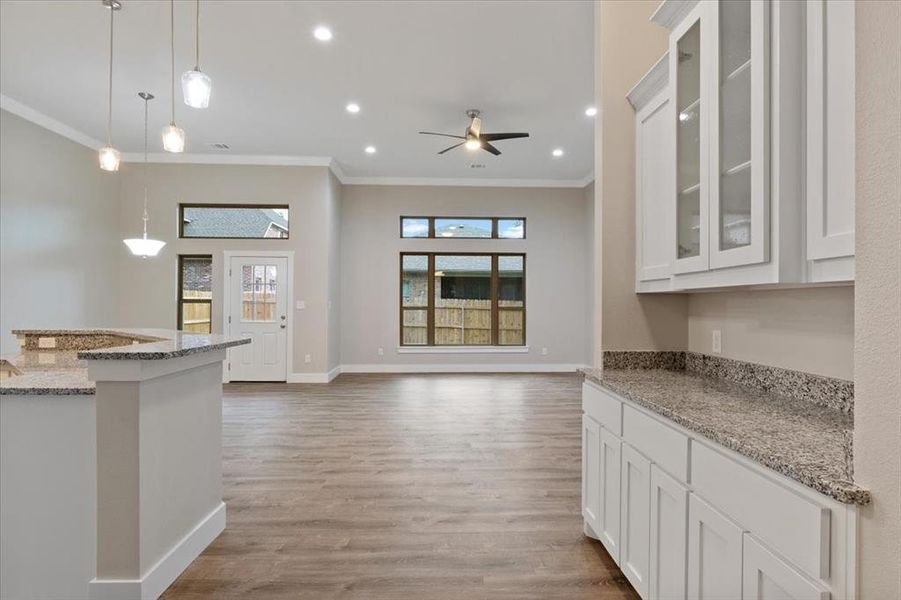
x=461, y=182
x=38, y=118
x=671, y=12
x=653, y=82
x=188, y=158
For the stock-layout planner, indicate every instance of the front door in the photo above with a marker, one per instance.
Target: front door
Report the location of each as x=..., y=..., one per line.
x=258, y=309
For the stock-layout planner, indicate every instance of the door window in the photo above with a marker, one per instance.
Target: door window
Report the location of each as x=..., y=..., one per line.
x=259, y=284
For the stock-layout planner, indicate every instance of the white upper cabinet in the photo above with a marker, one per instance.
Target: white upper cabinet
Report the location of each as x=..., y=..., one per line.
x=654, y=178
x=739, y=131
x=750, y=190
x=830, y=140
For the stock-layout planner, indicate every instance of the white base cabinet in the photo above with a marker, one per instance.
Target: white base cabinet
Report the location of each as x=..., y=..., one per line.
x=636, y=512
x=669, y=536
x=714, y=553
x=686, y=518
x=768, y=577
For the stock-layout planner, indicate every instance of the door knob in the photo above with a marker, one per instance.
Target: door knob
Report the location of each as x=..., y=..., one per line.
x=284, y=317
x=283, y=326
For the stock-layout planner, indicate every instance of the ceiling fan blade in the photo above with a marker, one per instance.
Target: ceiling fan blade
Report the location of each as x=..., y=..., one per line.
x=452, y=147
x=459, y=137
x=489, y=148
x=493, y=137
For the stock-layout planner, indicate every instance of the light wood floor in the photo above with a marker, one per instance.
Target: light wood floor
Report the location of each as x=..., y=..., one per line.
x=403, y=486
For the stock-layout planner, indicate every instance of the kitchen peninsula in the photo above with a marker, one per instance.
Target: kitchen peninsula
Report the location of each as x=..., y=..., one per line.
x=110, y=460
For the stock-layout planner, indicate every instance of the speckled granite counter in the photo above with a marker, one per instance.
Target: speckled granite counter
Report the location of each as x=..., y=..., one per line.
x=800, y=439
x=52, y=361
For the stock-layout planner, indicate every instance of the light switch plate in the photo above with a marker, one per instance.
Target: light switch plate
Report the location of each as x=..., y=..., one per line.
x=716, y=343
x=300, y=304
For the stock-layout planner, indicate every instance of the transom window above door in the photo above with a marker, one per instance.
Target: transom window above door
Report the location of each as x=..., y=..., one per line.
x=230, y=221
x=463, y=227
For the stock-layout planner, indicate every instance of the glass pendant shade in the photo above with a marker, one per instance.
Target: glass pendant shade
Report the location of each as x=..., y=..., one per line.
x=144, y=247
x=173, y=138
x=196, y=87
x=109, y=158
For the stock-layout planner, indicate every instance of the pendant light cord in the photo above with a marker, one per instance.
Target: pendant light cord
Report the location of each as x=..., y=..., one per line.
x=109, y=104
x=197, y=36
x=172, y=39
x=146, y=217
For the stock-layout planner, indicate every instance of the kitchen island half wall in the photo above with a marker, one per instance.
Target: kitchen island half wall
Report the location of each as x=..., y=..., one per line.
x=110, y=460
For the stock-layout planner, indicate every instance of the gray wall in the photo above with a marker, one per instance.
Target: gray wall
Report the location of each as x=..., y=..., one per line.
x=149, y=285
x=558, y=250
x=59, y=233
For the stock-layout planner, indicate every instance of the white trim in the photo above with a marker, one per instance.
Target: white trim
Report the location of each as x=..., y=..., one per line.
x=228, y=159
x=38, y=118
x=158, y=577
x=462, y=349
x=463, y=368
x=227, y=255
x=671, y=12
x=652, y=83
x=469, y=182
x=314, y=377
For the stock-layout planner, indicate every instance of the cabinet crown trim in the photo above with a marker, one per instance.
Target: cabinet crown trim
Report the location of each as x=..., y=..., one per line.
x=671, y=12
x=653, y=82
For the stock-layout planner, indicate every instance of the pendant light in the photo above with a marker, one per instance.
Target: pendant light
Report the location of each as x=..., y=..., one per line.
x=142, y=246
x=173, y=135
x=109, y=156
x=196, y=85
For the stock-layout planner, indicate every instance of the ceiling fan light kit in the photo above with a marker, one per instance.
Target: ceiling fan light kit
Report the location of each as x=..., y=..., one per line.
x=473, y=138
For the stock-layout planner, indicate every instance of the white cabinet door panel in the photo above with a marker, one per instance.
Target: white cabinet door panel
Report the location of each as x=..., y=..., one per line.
x=636, y=512
x=768, y=577
x=608, y=527
x=830, y=129
x=669, y=537
x=591, y=472
x=714, y=554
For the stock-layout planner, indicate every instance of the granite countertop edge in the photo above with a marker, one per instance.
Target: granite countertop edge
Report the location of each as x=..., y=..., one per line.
x=134, y=353
x=843, y=491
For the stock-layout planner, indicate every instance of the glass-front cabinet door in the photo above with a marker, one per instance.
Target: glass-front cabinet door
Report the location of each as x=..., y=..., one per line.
x=739, y=124
x=688, y=63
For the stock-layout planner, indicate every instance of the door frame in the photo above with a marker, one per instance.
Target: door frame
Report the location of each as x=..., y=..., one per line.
x=227, y=256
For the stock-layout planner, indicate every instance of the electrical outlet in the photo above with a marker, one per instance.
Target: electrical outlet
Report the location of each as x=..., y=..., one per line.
x=544, y=352
x=381, y=351
x=308, y=358
x=716, y=343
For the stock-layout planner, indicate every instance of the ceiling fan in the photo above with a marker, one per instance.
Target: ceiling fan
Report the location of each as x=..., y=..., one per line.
x=474, y=139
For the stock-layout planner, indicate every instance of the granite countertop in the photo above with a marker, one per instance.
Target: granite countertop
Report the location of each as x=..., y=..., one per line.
x=63, y=370
x=797, y=438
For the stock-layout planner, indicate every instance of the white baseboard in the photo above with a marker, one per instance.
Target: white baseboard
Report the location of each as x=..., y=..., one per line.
x=313, y=377
x=168, y=568
x=463, y=368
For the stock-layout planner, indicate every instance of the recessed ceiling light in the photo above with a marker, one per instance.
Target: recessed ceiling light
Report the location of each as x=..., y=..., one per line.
x=322, y=33
x=369, y=149
x=591, y=111
x=353, y=108
x=557, y=153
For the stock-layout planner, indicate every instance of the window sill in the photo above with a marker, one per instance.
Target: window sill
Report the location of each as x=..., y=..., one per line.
x=462, y=349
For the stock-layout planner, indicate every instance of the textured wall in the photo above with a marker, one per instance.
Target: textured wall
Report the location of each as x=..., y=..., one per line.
x=627, y=45
x=877, y=343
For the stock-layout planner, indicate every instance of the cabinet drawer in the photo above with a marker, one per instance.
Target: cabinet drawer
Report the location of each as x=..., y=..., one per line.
x=603, y=408
x=784, y=520
x=664, y=445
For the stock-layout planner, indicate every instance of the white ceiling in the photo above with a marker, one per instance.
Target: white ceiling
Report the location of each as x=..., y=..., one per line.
x=279, y=92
